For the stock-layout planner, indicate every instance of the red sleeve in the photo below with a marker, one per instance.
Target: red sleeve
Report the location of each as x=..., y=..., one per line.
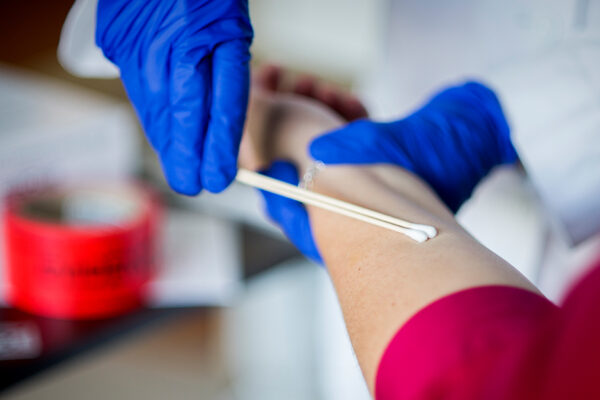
x=574, y=364
x=497, y=342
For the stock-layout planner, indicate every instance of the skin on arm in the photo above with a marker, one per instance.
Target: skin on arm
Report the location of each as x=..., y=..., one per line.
x=381, y=278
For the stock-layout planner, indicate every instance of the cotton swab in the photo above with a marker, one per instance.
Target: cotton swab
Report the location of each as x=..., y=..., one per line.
x=417, y=232
x=430, y=231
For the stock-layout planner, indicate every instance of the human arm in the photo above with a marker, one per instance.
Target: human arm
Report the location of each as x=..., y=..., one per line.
x=452, y=142
x=381, y=278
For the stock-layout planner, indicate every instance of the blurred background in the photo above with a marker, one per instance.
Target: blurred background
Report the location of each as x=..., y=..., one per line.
x=235, y=311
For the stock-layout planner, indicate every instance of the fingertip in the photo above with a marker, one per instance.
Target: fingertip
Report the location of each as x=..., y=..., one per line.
x=230, y=88
x=183, y=180
x=289, y=214
x=283, y=171
x=184, y=188
x=275, y=204
x=509, y=153
x=219, y=165
x=349, y=144
x=217, y=181
x=320, y=148
x=316, y=258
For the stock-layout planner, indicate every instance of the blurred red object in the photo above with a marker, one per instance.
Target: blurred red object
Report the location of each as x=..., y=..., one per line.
x=82, y=252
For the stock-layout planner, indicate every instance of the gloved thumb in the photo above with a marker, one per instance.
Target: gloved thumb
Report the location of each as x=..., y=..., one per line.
x=289, y=214
x=359, y=142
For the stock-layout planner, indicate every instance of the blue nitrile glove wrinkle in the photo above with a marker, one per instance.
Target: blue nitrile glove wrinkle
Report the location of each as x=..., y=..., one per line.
x=185, y=67
x=451, y=143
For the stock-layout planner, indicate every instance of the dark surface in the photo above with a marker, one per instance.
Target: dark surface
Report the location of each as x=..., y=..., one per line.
x=29, y=36
x=52, y=341
x=60, y=340
x=261, y=252
x=29, y=28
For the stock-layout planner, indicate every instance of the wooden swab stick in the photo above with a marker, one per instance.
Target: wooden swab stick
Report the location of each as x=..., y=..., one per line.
x=430, y=231
x=417, y=232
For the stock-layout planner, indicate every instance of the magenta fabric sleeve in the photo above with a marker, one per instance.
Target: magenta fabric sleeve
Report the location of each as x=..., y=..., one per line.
x=498, y=342
x=468, y=345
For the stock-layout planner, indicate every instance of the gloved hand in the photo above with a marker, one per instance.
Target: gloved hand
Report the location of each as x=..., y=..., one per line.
x=184, y=64
x=451, y=143
x=290, y=215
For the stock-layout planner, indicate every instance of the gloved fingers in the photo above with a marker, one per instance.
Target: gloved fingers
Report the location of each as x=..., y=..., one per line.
x=181, y=152
x=230, y=87
x=290, y=215
x=359, y=142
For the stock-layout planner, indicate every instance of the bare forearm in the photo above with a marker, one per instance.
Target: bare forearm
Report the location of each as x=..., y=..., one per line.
x=381, y=277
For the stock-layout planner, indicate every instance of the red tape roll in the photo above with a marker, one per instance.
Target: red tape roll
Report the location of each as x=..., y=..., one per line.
x=82, y=252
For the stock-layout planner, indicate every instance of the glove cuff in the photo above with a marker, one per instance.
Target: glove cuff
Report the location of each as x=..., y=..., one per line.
x=463, y=133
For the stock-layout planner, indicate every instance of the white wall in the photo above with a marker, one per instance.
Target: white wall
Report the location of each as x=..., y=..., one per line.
x=335, y=38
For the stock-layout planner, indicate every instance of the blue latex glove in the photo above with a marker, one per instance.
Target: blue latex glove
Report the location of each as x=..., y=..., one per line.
x=290, y=215
x=451, y=143
x=185, y=66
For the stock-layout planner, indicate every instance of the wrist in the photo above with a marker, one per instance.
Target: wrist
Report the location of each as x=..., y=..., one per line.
x=280, y=127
